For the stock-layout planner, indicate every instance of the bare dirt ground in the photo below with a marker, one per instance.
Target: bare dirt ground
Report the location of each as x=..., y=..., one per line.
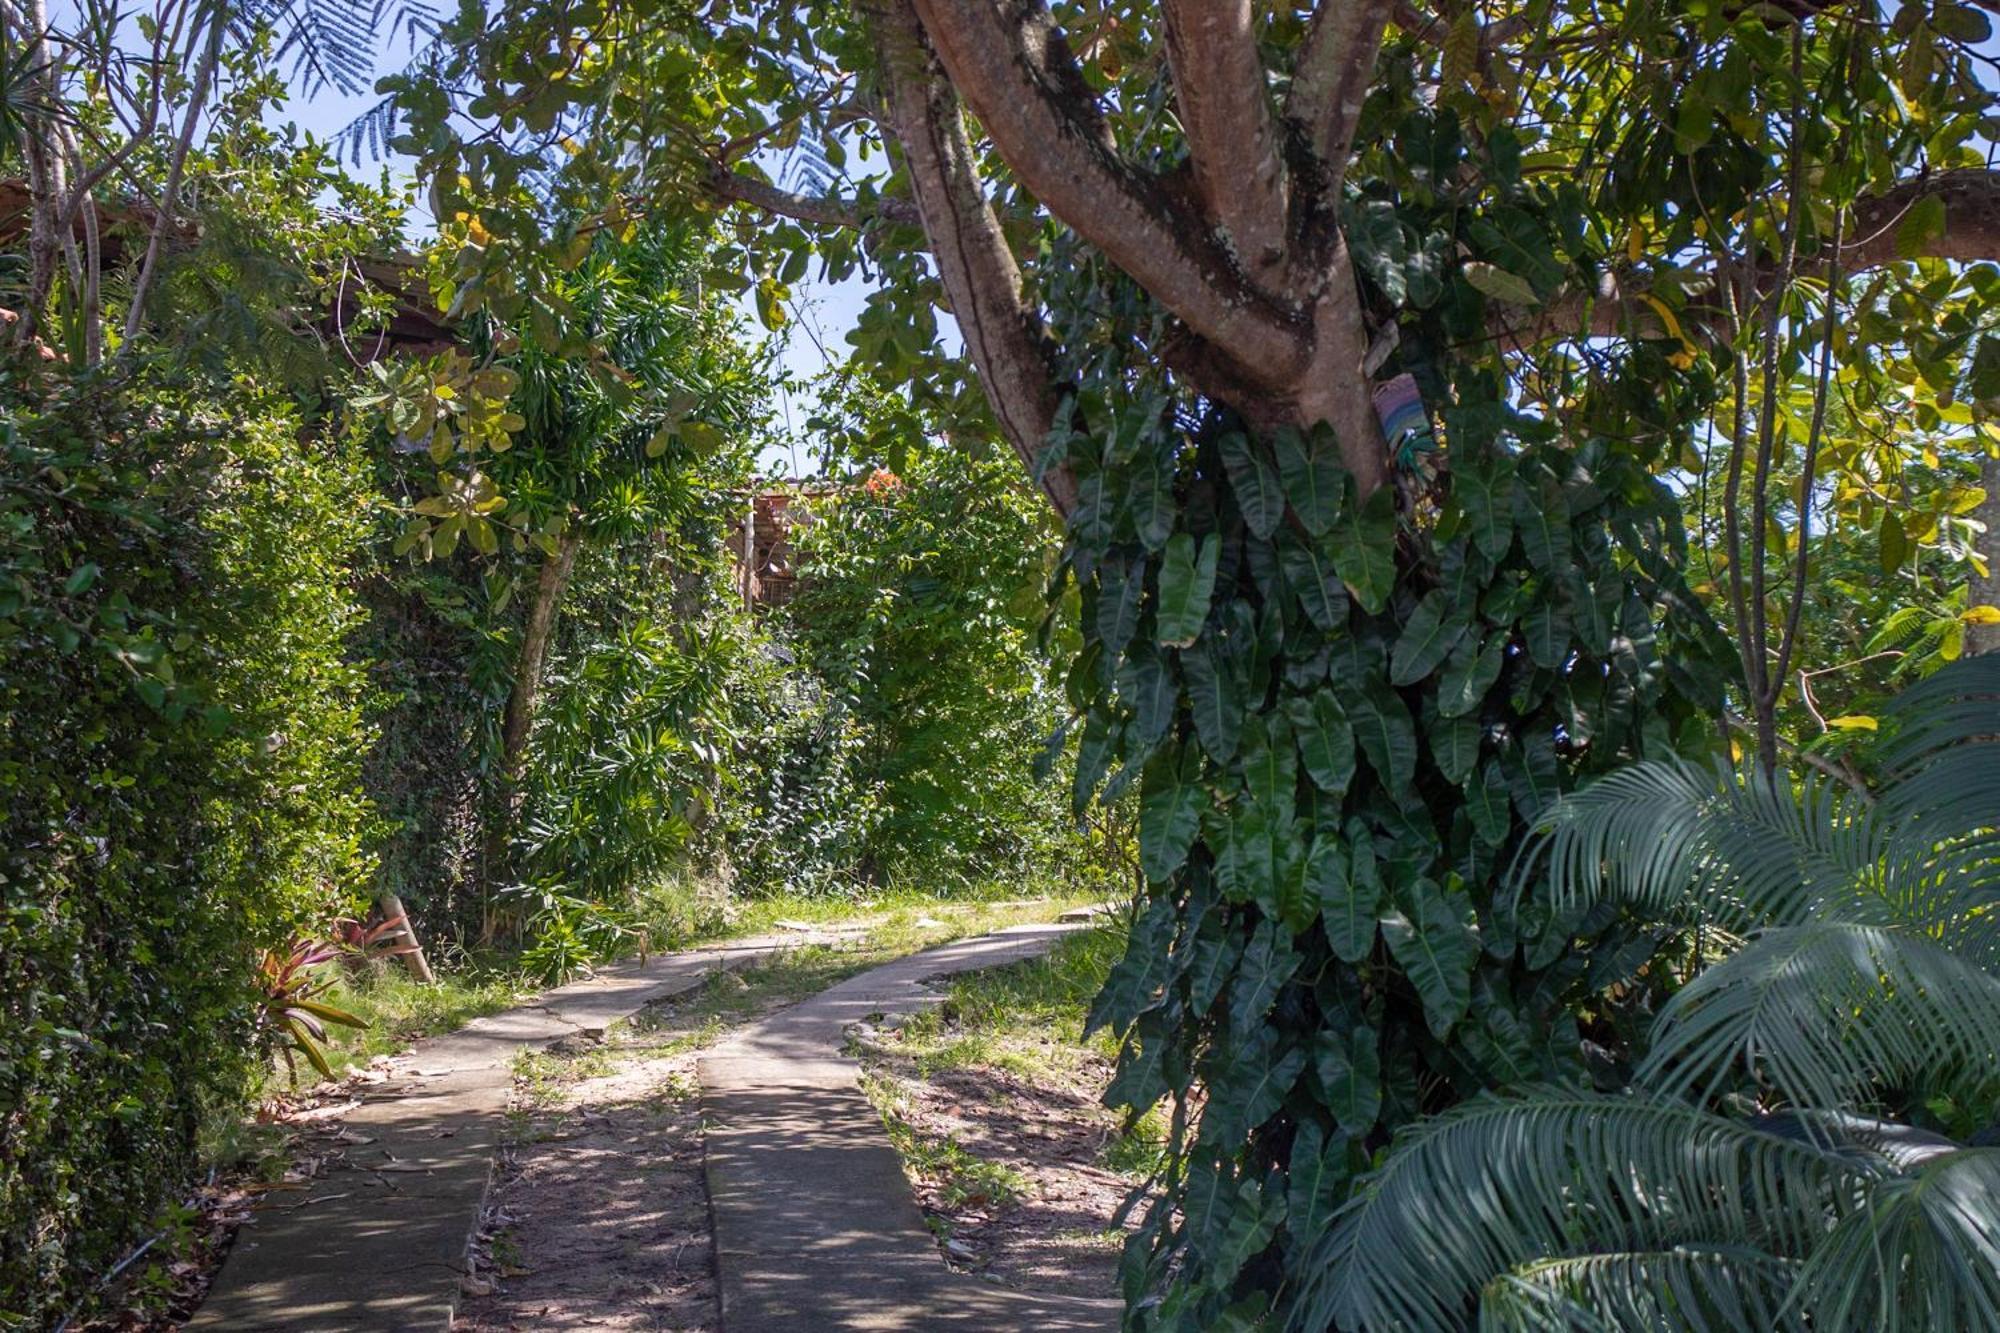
x=1010, y=1169
x=599, y=1218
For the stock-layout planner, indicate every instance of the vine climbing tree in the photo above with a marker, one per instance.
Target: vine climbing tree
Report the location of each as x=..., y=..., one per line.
x=1189, y=248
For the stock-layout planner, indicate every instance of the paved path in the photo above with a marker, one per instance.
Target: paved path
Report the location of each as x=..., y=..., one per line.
x=379, y=1243
x=816, y=1229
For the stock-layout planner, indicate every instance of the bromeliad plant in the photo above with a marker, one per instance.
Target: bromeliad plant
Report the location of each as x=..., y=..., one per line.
x=289, y=1013
x=1787, y=1155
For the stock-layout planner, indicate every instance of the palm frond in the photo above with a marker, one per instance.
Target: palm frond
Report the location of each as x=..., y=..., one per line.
x=1922, y=1253
x=1482, y=1190
x=1635, y=834
x=1944, y=757
x=1955, y=707
x=1827, y=1011
x=1679, y=841
x=1700, y=1289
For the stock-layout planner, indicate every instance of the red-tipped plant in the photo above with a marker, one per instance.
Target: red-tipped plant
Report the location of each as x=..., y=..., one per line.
x=288, y=1006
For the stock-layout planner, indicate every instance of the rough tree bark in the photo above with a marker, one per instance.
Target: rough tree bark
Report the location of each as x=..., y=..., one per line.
x=525, y=697
x=1001, y=330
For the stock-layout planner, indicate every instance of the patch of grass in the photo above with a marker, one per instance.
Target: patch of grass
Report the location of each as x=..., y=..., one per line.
x=545, y=1073
x=260, y=1149
x=1139, y=1151
x=961, y=1179
x=695, y=1019
x=399, y=1009
x=1026, y=1018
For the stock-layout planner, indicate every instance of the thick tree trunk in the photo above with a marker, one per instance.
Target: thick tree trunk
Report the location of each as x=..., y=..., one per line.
x=1985, y=589
x=522, y=702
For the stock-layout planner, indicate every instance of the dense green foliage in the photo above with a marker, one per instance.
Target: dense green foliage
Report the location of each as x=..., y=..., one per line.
x=1689, y=302
x=1341, y=719
x=1672, y=285
x=919, y=608
x=180, y=739
x=1787, y=1155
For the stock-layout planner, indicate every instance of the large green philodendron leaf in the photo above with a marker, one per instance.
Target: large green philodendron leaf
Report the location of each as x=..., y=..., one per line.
x=1187, y=583
x=1318, y=1178
x=1259, y=494
x=1310, y=572
x=1314, y=481
x=1349, y=1067
x=1147, y=686
x=1171, y=801
x=1342, y=877
x=1431, y=632
x=1541, y=514
x=1326, y=740
x=1487, y=503
x=1386, y=734
x=1215, y=701
x=1469, y=673
x=1364, y=549
x=1437, y=950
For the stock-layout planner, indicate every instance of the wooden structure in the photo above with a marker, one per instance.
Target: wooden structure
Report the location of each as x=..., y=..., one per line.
x=760, y=539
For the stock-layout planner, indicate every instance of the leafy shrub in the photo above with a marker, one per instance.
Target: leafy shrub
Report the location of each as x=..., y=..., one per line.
x=918, y=607
x=800, y=812
x=179, y=746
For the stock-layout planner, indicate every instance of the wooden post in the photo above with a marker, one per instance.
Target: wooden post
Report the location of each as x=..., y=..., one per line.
x=750, y=554
x=391, y=907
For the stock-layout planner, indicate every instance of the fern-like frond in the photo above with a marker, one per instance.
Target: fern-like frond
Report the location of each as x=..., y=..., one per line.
x=1922, y=1253
x=1681, y=842
x=1827, y=1011
x=1944, y=758
x=1690, y=1288
x=1494, y=1185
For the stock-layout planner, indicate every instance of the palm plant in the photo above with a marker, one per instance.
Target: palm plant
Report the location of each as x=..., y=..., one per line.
x=1762, y=1172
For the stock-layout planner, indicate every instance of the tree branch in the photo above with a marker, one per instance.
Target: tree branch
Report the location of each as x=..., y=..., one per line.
x=1330, y=80
x=1018, y=76
x=1002, y=332
x=1219, y=88
x=819, y=210
x=1971, y=198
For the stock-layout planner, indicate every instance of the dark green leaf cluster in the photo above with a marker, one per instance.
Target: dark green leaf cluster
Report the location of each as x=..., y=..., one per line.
x=1340, y=713
x=1790, y=1155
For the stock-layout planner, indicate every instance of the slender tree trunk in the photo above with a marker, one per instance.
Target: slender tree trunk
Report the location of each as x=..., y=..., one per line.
x=526, y=695
x=47, y=186
x=522, y=703
x=1985, y=589
x=163, y=220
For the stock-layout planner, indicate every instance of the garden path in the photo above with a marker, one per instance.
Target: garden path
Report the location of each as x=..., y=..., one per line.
x=815, y=1224
x=816, y=1228
x=379, y=1242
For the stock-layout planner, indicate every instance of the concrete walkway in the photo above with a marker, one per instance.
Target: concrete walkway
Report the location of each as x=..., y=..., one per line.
x=379, y=1243
x=816, y=1229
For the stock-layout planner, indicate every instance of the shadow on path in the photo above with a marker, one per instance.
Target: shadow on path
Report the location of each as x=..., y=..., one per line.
x=816, y=1228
